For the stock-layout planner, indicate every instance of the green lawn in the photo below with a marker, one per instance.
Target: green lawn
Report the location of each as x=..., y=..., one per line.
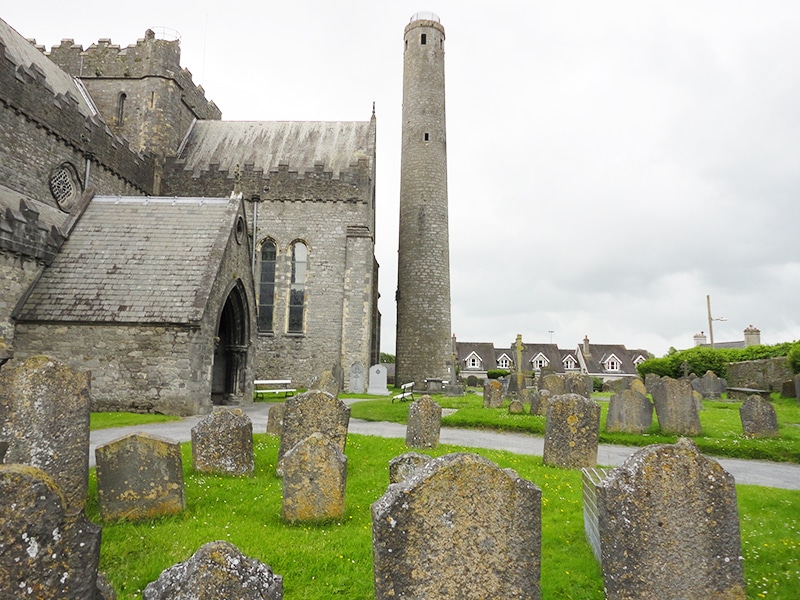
x=722, y=428
x=105, y=420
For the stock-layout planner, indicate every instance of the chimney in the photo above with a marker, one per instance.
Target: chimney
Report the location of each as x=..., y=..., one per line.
x=752, y=336
x=586, y=345
x=700, y=339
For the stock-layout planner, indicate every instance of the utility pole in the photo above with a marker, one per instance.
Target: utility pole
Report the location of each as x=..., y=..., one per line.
x=710, y=321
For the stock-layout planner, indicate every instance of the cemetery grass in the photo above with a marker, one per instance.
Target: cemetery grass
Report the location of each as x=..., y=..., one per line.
x=105, y=420
x=334, y=558
x=722, y=428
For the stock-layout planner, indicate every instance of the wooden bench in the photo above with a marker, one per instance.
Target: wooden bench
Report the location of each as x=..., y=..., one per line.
x=406, y=392
x=273, y=386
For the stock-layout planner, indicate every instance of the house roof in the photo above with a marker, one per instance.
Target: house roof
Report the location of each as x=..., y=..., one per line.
x=485, y=350
x=599, y=353
x=136, y=260
x=266, y=144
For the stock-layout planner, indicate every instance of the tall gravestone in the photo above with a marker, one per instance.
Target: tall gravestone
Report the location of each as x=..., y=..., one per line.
x=676, y=407
x=492, y=393
x=629, y=411
x=458, y=527
x=758, y=417
x=314, y=480
x=275, y=419
x=669, y=527
x=572, y=432
x=139, y=476
x=217, y=571
x=424, y=423
x=377, y=381
x=356, y=383
x=222, y=442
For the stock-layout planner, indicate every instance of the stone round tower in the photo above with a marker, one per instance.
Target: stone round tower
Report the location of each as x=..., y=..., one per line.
x=423, y=274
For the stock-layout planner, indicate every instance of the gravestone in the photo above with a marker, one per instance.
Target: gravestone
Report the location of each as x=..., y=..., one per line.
x=275, y=419
x=669, y=527
x=651, y=382
x=403, y=466
x=218, y=570
x=676, y=407
x=544, y=399
x=615, y=386
x=758, y=417
x=709, y=385
x=629, y=411
x=314, y=479
x=314, y=411
x=377, y=381
x=788, y=390
x=45, y=552
x=44, y=419
x=326, y=382
x=424, y=423
x=591, y=476
x=356, y=384
x=572, y=431
x=472, y=381
x=139, y=476
x=516, y=407
x=223, y=443
x=553, y=383
x=535, y=401
x=492, y=393
x=459, y=527
x=575, y=383
x=637, y=385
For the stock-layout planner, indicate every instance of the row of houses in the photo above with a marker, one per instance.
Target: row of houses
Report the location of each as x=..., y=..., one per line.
x=607, y=361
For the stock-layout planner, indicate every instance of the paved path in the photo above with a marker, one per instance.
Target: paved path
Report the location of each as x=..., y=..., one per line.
x=755, y=472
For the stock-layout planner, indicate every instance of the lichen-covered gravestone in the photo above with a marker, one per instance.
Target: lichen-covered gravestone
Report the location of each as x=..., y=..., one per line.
x=314, y=411
x=575, y=383
x=459, y=527
x=516, y=407
x=758, y=417
x=217, y=571
x=326, y=382
x=554, y=384
x=314, y=480
x=676, y=407
x=139, y=476
x=424, y=423
x=629, y=411
x=275, y=419
x=492, y=393
x=669, y=527
x=572, y=431
x=709, y=385
x=403, y=466
x=44, y=551
x=223, y=443
x=544, y=400
x=44, y=418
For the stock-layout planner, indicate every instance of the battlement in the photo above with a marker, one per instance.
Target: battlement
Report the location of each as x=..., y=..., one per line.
x=21, y=232
x=150, y=56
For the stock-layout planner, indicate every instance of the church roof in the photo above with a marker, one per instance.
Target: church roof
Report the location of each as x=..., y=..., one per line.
x=266, y=144
x=136, y=260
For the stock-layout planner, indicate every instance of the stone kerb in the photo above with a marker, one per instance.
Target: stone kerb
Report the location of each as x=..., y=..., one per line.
x=572, y=432
x=758, y=417
x=629, y=411
x=492, y=393
x=314, y=411
x=676, y=407
x=314, y=480
x=44, y=551
x=459, y=527
x=46, y=407
x=139, y=476
x=217, y=570
x=424, y=423
x=669, y=527
x=223, y=443
x=402, y=467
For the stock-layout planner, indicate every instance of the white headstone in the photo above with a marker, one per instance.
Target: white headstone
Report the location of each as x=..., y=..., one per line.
x=377, y=381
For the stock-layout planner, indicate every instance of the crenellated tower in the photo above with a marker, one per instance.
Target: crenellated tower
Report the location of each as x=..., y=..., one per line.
x=423, y=274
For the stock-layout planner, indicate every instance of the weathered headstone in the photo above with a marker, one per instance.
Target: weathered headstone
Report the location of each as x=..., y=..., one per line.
x=651, y=382
x=534, y=400
x=356, y=383
x=139, y=476
x=275, y=418
x=377, y=381
x=516, y=407
x=314, y=480
x=572, y=431
x=223, y=443
x=710, y=385
x=676, y=407
x=615, y=386
x=553, y=383
x=788, y=390
x=544, y=400
x=326, y=382
x=758, y=417
x=44, y=551
x=591, y=476
x=403, y=466
x=629, y=411
x=424, y=423
x=669, y=527
x=459, y=527
x=105, y=590
x=314, y=411
x=492, y=393
x=637, y=385
x=218, y=570
x=575, y=383
x=44, y=418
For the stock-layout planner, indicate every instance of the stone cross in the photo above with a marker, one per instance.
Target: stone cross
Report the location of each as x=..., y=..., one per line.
x=518, y=348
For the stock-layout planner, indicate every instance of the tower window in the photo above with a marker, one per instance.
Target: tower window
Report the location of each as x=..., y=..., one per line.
x=121, y=109
x=423, y=39
x=266, y=287
x=297, y=291
x=427, y=137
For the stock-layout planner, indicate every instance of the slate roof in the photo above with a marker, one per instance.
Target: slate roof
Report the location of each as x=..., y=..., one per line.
x=265, y=144
x=485, y=350
x=136, y=260
x=598, y=353
x=549, y=351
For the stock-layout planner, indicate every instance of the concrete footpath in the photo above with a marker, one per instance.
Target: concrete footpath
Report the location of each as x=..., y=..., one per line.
x=755, y=472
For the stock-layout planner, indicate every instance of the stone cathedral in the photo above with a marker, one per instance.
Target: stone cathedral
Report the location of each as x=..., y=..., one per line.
x=175, y=255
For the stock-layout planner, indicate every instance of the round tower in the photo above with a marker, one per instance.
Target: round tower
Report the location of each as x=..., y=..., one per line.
x=423, y=274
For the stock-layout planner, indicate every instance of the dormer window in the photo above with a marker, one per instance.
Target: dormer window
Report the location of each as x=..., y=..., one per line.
x=539, y=362
x=569, y=363
x=504, y=362
x=612, y=363
x=473, y=361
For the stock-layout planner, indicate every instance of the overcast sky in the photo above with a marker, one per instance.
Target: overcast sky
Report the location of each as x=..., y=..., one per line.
x=610, y=164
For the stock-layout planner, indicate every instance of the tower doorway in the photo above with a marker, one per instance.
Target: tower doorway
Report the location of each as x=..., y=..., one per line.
x=231, y=343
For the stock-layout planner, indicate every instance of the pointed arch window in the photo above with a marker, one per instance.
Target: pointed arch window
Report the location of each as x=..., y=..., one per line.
x=121, y=108
x=297, y=290
x=266, y=287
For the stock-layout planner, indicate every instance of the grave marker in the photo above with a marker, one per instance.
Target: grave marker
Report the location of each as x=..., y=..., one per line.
x=223, y=443
x=424, y=423
x=572, y=431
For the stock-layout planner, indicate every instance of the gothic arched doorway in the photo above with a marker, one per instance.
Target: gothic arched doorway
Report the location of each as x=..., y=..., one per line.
x=230, y=349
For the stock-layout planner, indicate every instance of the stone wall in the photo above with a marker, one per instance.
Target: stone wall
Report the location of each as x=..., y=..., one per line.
x=17, y=273
x=767, y=374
